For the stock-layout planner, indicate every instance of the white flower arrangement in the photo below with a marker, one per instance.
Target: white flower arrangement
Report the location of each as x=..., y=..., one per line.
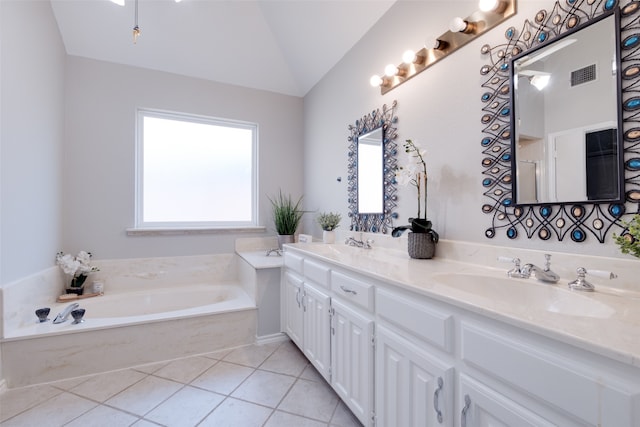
x=75, y=266
x=415, y=173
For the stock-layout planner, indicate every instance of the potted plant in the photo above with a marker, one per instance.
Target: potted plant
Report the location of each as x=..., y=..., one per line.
x=286, y=217
x=422, y=238
x=77, y=268
x=629, y=240
x=329, y=221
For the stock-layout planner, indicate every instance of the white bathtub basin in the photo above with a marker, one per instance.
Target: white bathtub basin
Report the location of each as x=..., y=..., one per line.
x=527, y=294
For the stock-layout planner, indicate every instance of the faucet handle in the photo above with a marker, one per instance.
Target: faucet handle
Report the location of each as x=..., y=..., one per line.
x=515, y=271
x=547, y=262
x=581, y=284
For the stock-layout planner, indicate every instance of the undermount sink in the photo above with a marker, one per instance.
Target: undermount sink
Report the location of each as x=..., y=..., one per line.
x=527, y=294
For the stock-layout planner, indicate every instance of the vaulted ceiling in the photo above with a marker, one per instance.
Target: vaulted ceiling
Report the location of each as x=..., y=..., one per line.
x=283, y=46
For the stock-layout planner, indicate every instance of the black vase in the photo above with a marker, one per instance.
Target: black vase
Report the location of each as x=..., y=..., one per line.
x=77, y=285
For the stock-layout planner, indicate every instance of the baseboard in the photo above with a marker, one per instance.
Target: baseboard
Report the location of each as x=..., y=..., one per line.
x=281, y=336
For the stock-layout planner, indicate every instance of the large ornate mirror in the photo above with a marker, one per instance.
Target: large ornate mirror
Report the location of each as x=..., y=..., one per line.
x=371, y=171
x=565, y=121
x=552, y=167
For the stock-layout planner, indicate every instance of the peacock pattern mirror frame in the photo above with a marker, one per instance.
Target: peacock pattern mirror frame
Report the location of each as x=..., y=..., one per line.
x=577, y=220
x=378, y=222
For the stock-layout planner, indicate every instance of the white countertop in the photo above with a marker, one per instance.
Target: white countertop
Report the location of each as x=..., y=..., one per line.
x=260, y=260
x=606, y=321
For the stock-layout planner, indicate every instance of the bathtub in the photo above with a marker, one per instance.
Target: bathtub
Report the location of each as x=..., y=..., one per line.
x=142, y=318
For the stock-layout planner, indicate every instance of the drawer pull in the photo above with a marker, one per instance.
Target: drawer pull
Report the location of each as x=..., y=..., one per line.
x=463, y=414
x=436, y=397
x=347, y=290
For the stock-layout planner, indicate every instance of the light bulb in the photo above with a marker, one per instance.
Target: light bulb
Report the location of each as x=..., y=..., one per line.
x=375, y=80
x=488, y=5
x=457, y=25
x=408, y=56
x=540, y=81
x=390, y=70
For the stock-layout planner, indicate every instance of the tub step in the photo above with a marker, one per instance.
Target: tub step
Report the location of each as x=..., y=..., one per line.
x=71, y=297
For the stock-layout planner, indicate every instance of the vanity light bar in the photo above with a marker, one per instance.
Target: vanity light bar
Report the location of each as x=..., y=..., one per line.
x=461, y=32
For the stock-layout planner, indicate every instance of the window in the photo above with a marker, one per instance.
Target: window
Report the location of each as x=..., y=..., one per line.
x=195, y=172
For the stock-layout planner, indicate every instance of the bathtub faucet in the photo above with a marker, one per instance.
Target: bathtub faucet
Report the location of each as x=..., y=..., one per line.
x=62, y=316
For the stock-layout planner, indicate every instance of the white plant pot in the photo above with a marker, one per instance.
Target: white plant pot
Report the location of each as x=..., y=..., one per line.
x=328, y=236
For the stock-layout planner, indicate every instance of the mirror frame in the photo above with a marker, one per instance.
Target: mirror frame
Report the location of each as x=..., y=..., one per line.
x=379, y=222
x=580, y=219
x=514, y=135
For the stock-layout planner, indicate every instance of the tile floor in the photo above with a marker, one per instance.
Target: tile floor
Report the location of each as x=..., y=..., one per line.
x=270, y=385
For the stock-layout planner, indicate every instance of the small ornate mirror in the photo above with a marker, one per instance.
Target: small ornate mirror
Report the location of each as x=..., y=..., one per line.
x=371, y=171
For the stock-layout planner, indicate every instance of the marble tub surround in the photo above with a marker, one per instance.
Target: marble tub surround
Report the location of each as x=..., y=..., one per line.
x=606, y=321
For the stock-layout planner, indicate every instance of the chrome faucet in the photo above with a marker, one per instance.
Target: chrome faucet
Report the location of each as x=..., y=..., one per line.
x=524, y=272
x=544, y=275
x=366, y=244
x=62, y=316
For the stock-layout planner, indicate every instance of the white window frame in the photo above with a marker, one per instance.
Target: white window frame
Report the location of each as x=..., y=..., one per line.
x=141, y=227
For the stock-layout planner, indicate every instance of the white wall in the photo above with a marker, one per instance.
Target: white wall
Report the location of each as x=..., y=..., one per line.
x=32, y=122
x=99, y=156
x=440, y=109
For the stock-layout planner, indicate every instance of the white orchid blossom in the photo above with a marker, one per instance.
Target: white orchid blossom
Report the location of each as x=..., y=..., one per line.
x=415, y=173
x=75, y=266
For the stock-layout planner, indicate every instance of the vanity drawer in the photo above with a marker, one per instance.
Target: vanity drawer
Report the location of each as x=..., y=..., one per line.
x=417, y=317
x=317, y=273
x=354, y=290
x=293, y=262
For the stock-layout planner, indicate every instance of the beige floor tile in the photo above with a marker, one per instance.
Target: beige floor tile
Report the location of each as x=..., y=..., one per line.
x=343, y=417
x=222, y=378
x=70, y=383
x=264, y=388
x=54, y=412
x=145, y=395
x=145, y=423
x=283, y=419
x=103, y=386
x=236, y=413
x=185, y=370
x=310, y=399
x=217, y=355
x=186, y=408
x=150, y=368
x=14, y=401
x=311, y=373
x=287, y=359
x=251, y=355
x=103, y=416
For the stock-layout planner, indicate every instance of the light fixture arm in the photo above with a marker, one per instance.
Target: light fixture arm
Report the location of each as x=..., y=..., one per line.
x=136, y=28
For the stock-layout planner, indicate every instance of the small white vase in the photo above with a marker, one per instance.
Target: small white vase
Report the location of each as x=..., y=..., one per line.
x=328, y=236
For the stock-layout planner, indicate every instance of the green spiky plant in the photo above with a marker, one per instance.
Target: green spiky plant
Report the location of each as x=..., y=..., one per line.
x=629, y=240
x=286, y=213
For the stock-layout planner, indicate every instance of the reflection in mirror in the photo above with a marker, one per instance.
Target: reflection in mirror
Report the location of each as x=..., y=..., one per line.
x=371, y=171
x=370, y=180
x=565, y=118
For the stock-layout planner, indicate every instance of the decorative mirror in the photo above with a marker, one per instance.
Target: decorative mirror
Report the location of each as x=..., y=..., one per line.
x=561, y=144
x=371, y=171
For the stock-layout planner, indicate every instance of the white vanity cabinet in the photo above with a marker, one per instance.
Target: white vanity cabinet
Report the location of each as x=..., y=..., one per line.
x=352, y=359
x=402, y=356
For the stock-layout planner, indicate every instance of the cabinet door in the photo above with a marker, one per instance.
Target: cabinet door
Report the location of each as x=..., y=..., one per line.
x=352, y=359
x=412, y=387
x=293, y=314
x=481, y=406
x=317, y=335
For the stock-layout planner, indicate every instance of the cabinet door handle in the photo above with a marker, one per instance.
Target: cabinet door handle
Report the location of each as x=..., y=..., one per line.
x=347, y=290
x=298, y=297
x=304, y=307
x=463, y=414
x=436, y=397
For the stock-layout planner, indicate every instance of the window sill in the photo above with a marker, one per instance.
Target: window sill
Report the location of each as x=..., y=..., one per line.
x=166, y=231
